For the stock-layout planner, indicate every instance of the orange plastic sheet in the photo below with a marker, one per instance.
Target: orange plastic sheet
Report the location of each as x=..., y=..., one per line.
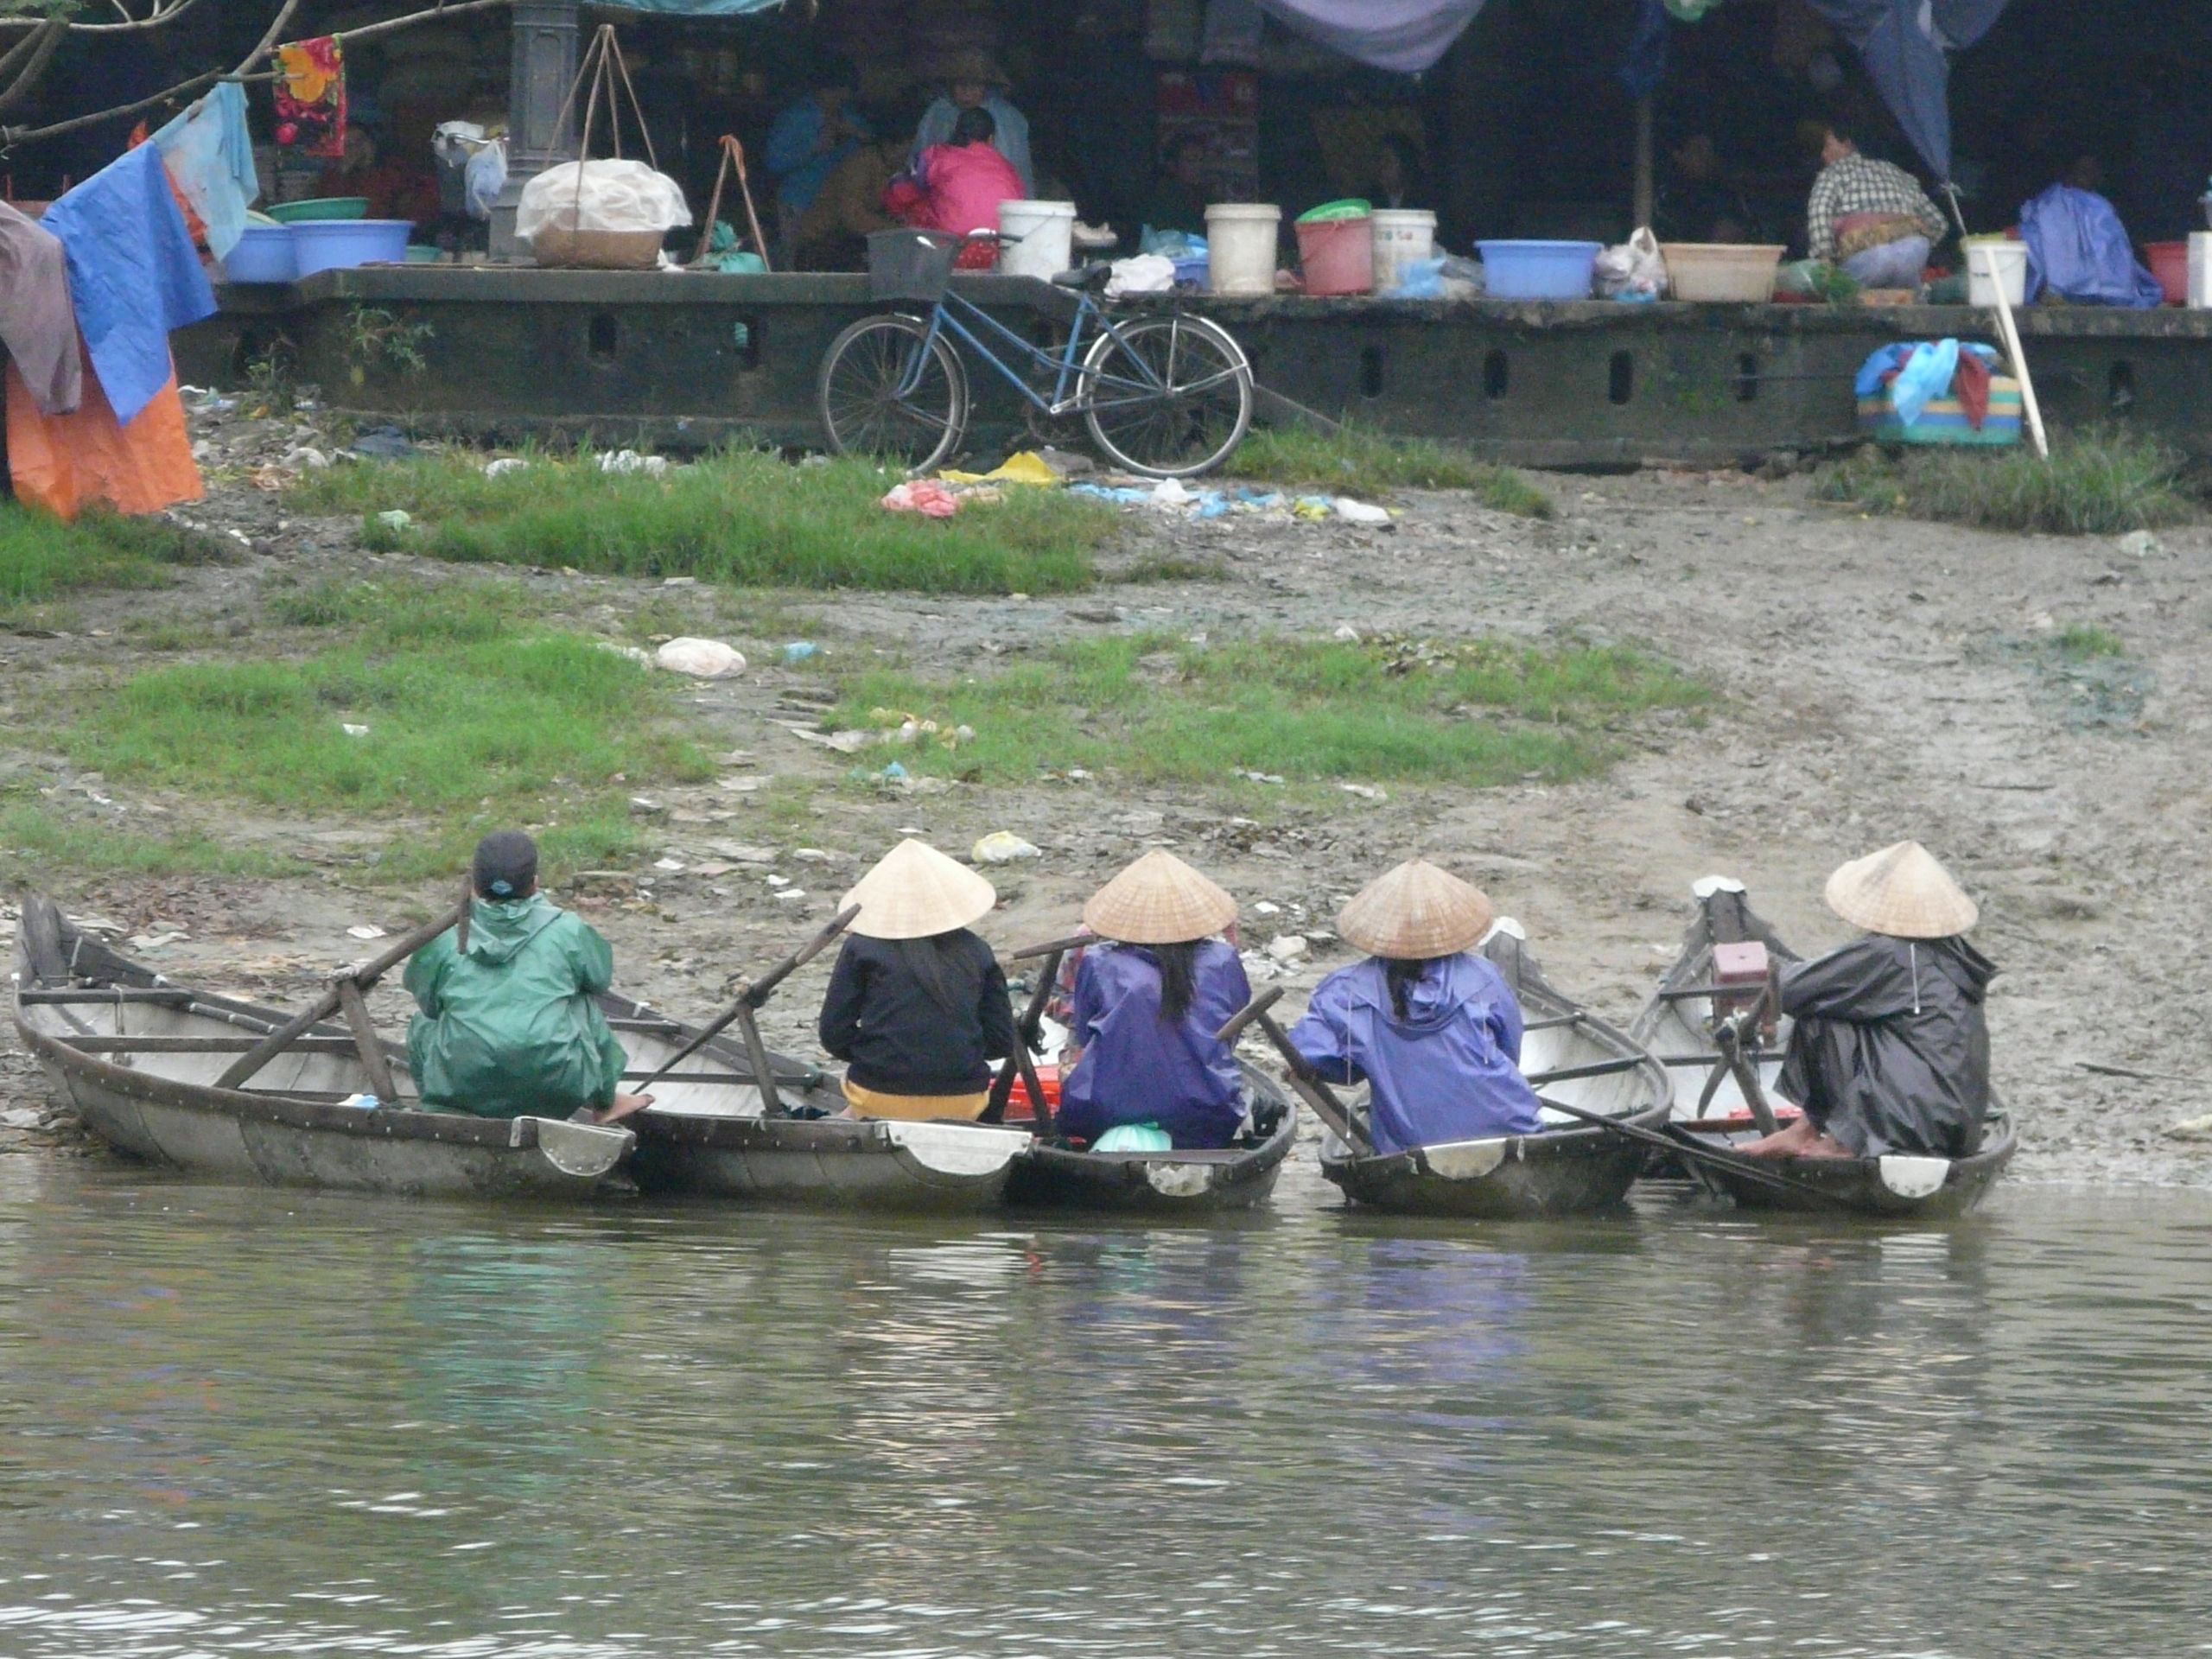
x=65, y=462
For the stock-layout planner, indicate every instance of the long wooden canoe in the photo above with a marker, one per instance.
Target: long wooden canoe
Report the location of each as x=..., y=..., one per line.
x=1570, y=1055
x=1674, y=1027
x=708, y=1134
x=137, y=1055
x=1182, y=1183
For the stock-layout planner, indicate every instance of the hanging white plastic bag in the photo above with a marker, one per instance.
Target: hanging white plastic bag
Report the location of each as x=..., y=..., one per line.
x=603, y=214
x=1633, y=270
x=486, y=176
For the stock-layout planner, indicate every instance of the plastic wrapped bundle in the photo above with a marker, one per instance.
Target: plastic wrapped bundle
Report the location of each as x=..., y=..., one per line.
x=600, y=215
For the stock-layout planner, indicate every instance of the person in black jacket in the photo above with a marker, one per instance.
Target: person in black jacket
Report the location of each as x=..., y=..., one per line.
x=917, y=1006
x=1889, y=1050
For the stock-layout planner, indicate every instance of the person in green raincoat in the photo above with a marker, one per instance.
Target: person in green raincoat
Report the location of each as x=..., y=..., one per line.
x=508, y=1028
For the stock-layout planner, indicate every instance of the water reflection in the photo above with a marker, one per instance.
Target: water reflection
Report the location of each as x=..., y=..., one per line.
x=250, y=1422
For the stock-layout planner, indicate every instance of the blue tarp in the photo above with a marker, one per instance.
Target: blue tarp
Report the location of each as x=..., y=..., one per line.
x=1905, y=44
x=2078, y=249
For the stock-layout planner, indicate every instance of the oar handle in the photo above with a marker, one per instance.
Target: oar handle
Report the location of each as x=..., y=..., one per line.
x=1311, y=1087
x=1749, y=1167
x=1244, y=1016
x=1054, y=947
x=1025, y=1043
x=755, y=993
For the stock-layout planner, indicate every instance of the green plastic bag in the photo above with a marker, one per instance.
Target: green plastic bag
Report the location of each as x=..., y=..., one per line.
x=1133, y=1137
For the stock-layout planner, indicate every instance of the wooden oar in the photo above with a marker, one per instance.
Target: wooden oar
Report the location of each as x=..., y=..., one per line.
x=359, y=979
x=1749, y=1168
x=1025, y=1046
x=1313, y=1088
x=1728, y=1037
x=1054, y=947
x=755, y=994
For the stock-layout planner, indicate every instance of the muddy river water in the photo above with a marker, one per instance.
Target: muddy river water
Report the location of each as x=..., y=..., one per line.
x=240, y=1421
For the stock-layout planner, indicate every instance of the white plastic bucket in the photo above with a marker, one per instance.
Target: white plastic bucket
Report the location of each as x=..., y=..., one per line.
x=1993, y=262
x=1403, y=236
x=1047, y=233
x=1241, y=238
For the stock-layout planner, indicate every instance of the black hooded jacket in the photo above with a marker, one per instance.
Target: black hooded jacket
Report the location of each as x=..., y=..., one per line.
x=1891, y=1052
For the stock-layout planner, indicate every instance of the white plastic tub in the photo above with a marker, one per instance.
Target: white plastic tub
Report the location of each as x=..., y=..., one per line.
x=1721, y=272
x=1403, y=237
x=1241, y=237
x=1998, y=260
x=1047, y=233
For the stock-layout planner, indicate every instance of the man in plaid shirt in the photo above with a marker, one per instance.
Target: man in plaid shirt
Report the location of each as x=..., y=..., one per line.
x=1870, y=217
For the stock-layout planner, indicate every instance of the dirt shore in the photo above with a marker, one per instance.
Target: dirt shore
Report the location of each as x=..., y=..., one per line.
x=1882, y=679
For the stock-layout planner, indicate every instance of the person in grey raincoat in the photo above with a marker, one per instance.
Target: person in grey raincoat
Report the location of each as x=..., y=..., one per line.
x=508, y=1028
x=1889, y=1051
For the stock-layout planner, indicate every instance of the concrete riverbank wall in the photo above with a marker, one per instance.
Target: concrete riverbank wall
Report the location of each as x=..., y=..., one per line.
x=685, y=360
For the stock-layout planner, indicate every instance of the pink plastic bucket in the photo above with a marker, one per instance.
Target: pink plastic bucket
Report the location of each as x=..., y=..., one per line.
x=2170, y=264
x=1338, y=255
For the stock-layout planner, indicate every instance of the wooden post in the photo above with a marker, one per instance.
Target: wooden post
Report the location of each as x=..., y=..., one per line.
x=1024, y=1039
x=2008, y=331
x=373, y=1063
x=756, y=1053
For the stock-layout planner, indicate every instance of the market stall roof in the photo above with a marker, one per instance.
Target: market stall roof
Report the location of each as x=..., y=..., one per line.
x=1405, y=36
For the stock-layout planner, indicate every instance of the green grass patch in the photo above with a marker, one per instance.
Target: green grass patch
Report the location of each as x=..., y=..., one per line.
x=742, y=517
x=2082, y=642
x=405, y=612
x=1157, y=708
x=41, y=557
x=34, y=842
x=2096, y=483
x=1357, y=460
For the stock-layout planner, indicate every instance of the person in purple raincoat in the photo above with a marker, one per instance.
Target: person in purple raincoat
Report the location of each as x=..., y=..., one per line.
x=1431, y=1026
x=1148, y=998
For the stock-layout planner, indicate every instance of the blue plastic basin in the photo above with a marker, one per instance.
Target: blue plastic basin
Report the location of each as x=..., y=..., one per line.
x=1538, y=271
x=264, y=254
x=335, y=244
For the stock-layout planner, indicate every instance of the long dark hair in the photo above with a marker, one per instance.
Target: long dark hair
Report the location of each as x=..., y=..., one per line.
x=1177, y=966
x=945, y=967
x=1402, y=976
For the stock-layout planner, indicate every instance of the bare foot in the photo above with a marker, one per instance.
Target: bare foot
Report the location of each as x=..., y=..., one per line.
x=1825, y=1146
x=623, y=1106
x=1791, y=1142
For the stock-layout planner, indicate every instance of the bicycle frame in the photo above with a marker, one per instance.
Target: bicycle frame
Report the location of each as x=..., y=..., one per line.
x=947, y=317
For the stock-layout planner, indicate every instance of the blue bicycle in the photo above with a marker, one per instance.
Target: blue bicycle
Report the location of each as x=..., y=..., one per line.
x=1161, y=394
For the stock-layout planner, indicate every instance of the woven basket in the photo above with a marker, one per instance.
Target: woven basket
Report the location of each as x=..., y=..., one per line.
x=597, y=249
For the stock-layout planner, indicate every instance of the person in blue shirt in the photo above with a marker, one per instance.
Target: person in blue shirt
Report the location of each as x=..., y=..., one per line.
x=809, y=140
x=1148, y=998
x=1429, y=1025
x=973, y=80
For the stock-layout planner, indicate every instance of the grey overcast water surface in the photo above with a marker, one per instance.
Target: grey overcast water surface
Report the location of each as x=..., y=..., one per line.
x=243, y=1422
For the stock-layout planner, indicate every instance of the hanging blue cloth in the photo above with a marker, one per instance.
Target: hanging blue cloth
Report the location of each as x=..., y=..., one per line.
x=209, y=153
x=2078, y=249
x=133, y=274
x=1906, y=46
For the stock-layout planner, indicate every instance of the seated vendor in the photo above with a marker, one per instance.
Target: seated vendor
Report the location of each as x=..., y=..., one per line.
x=1179, y=199
x=973, y=80
x=1890, y=1051
x=958, y=187
x=1429, y=1025
x=1148, y=998
x=1871, y=218
x=834, y=230
x=508, y=1028
x=394, y=189
x=917, y=1006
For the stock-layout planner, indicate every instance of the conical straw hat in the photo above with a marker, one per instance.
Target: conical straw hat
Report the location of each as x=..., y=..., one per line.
x=915, y=891
x=1159, y=900
x=1901, y=890
x=1416, y=911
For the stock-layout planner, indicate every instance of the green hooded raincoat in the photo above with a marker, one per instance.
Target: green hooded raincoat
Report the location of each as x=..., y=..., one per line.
x=509, y=1029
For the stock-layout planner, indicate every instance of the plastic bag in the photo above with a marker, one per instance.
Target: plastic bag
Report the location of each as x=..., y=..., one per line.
x=1633, y=270
x=1418, y=279
x=612, y=196
x=485, y=174
x=65, y=462
x=1147, y=273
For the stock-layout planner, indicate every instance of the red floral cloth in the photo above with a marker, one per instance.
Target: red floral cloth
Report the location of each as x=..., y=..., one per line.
x=311, y=97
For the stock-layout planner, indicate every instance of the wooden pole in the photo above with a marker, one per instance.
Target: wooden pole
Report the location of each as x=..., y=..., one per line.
x=757, y=993
x=1025, y=1043
x=373, y=1063
x=756, y=1053
x=2008, y=331
x=1311, y=1087
x=1749, y=1167
x=328, y=1003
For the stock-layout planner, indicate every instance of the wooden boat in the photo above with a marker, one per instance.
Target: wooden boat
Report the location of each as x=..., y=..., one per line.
x=138, y=1057
x=1192, y=1182
x=707, y=1133
x=1673, y=1027
x=1570, y=1055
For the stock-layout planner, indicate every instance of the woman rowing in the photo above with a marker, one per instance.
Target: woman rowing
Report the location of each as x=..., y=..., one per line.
x=1890, y=1049
x=917, y=1006
x=1144, y=1070
x=1432, y=1027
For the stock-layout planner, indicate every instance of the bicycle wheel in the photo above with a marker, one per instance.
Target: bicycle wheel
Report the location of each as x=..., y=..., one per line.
x=1168, y=396
x=884, y=391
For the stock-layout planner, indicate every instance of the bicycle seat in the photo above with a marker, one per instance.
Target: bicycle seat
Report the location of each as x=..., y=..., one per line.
x=1092, y=277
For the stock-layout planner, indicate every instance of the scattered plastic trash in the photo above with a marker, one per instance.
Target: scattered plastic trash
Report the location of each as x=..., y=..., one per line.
x=305, y=455
x=894, y=773
x=1171, y=492
x=705, y=659
x=679, y=582
x=790, y=893
x=1359, y=513
x=925, y=496
x=505, y=465
x=1365, y=792
x=1259, y=777
x=1023, y=466
x=1004, y=847
x=1266, y=907
x=1348, y=634
x=397, y=518
x=633, y=652
x=361, y=1102
x=352, y=730
x=1288, y=947
x=19, y=1118
x=799, y=651
x=673, y=866
x=629, y=460
x=2140, y=543
x=365, y=930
